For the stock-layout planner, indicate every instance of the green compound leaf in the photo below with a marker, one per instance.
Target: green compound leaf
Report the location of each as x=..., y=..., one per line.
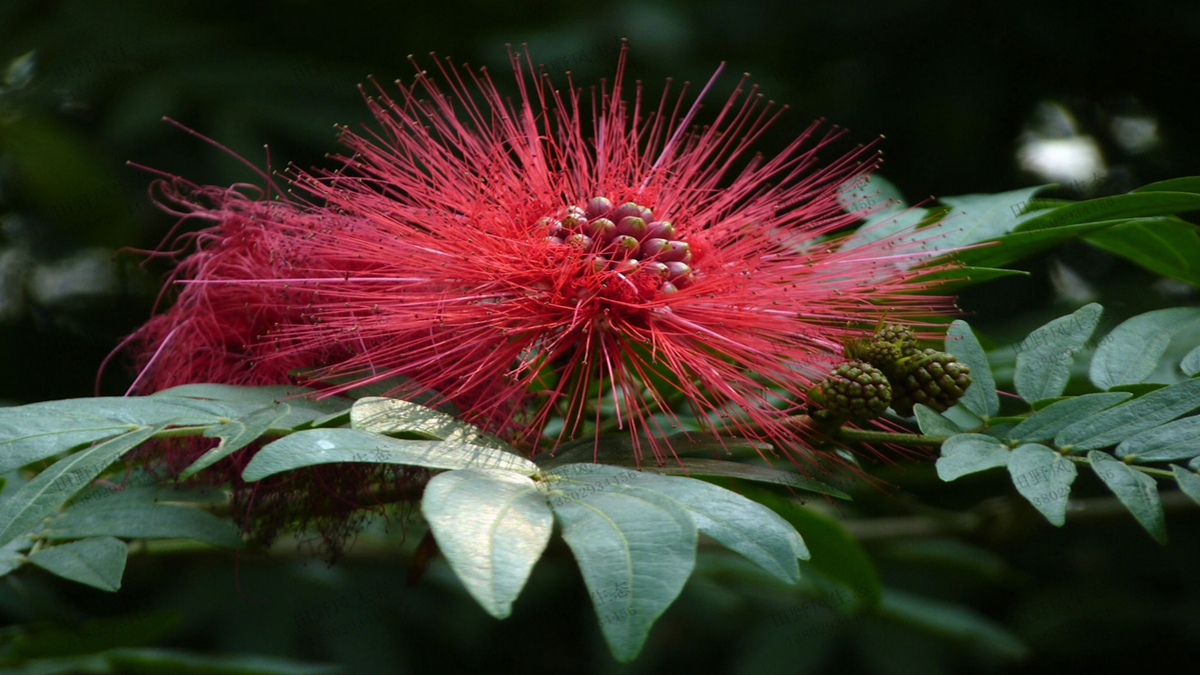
x=981, y=397
x=635, y=547
x=1045, y=357
x=1114, y=425
x=835, y=554
x=1189, y=482
x=130, y=410
x=394, y=416
x=1047, y=422
x=1174, y=441
x=1043, y=477
x=1191, y=363
x=29, y=439
x=970, y=453
x=51, y=488
x=1146, y=204
x=1130, y=353
x=933, y=423
x=1137, y=491
x=326, y=446
x=98, y=562
x=492, y=526
x=1166, y=246
x=125, y=515
x=237, y=434
x=305, y=406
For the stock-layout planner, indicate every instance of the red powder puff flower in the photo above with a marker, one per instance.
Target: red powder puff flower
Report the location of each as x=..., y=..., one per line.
x=547, y=257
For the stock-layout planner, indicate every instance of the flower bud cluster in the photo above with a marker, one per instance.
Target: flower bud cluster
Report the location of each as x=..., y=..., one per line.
x=626, y=239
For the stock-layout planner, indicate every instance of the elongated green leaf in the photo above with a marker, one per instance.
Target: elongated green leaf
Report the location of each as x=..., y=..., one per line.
x=1047, y=422
x=492, y=526
x=97, y=562
x=51, y=488
x=326, y=446
x=1131, y=351
x=1116, y=424
x=237, y=434
x=1185, y=184
x=865, y=192
x=1019, y=245
x=1146, y=204
x=1191, y=363
x=970, y=453
x=933, y=423
x=952, y=622
x=1137, y=491
x=1174, y=441
x=29, y=439
x=304, y=402
x=635, y=548
x=1189, y=482
x=11, y=554
x=118, y=516
x=981, y=397
x=758, y=474
x=1044, y=358
x=391, y=415
x=835, y=554
x=130, y=410
x=1170, y=246
x=1043, y=477
x=958, y=277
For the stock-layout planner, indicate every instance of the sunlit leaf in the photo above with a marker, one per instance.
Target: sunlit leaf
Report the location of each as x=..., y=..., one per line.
x=326, y=446
x=492, y=527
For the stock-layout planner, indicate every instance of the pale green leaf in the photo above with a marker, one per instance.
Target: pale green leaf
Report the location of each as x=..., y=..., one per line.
x=97, y=562
x=1173, y=441
x=1191, y=363
x=1130, y=353
x=1137, y=491
x=120, y=516
x=1047, y=422
x=28, y=439
x=635, y=548
x=237, y=434
x=729, y=469
x=1114, y=425
x=492, y=527
x=1189, y=482
x=981, y=397
x=933, y=423
x=52, y=487
x=1043, y=477
x=326, y=446
x=1044, y=358
x=391, y=416
x=970, y=453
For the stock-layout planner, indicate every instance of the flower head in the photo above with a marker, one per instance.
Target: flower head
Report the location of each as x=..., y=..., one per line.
x=550, y=257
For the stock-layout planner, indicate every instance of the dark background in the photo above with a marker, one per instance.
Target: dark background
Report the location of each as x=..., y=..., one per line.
x=953, y=86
